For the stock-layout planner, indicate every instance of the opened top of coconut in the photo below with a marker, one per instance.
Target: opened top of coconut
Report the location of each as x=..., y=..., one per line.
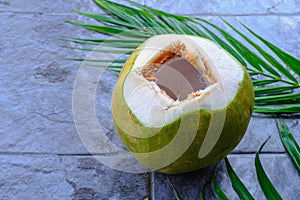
x=176, y=74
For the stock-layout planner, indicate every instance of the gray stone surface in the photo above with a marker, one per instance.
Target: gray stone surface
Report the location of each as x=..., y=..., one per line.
x=32, y=6
x=228, y=7
x=36, y=95
x=66, y=177
x=41, y=154
x=51, y=7
x=259, y=129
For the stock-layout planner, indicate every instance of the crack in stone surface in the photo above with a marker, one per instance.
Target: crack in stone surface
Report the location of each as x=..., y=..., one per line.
x=47, y=116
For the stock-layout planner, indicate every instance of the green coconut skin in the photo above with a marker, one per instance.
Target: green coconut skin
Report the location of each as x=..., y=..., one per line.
x=238, y=114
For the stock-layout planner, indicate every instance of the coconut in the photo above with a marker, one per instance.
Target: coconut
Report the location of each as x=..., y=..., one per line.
x=181, y=103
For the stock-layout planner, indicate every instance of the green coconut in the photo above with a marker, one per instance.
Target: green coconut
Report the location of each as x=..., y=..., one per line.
x=176, y=135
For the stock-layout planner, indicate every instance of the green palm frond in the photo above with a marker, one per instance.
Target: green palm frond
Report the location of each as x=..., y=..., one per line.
x=289, y=143
x=277, y=67
x=275, y=79
x=278, y=109
x=265, y=183
x=220, y=194
x=175, y=192
x=237, y=184
x=292, y=62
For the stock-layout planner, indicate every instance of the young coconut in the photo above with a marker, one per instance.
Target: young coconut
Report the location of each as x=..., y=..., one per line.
x=181, y=103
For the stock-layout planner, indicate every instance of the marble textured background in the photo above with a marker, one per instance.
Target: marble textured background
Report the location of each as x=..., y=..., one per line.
x=41, y=155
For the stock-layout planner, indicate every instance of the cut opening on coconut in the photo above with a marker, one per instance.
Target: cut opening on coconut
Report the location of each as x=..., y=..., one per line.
x=171, y=75
x=178, y=73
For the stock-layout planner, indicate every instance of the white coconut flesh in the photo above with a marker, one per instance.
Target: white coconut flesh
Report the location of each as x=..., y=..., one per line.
x=158, y=90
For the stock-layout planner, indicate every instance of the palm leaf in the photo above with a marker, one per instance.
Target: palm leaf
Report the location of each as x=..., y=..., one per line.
x=110, y=51
x=264, y=82
x=132, y=25
x=101, y=41
x=225, y=46
x=112, y=30
x=265, y=55
x=277, y=98
x=220, y=194
x=97, y=61
x=292, y=62
x=249, y=56
x=278, y=109
x=266, y=185
x=289, y=143
x=175, y=192
x=107, y=19
x=122, y=12
x=237, y=184
x=273, y=89
x=161, y=13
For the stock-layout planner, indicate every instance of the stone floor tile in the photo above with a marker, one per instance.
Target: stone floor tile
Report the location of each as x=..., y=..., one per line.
x=37, y=83
x=51, y=7
x=188, y=185
x=259, y=130
x=230, y=7
x=66, y=177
